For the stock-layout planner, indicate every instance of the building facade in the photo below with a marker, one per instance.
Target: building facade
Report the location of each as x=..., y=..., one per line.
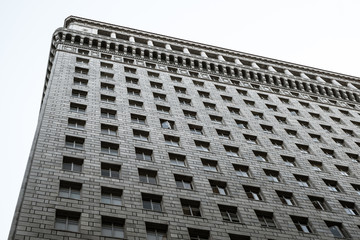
x=145, y=136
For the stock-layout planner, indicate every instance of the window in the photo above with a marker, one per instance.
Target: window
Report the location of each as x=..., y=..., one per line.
x=163, y=109
x=289, y=161
x=74, y=142
x=242, y=92
x=266, y=128
x=172, y=140
x=197, y=234
x=109, y=148
x=130, y=70
x=81, y=70
x=273, y=176
x=263, y=96
x=216, y=119
x=136, y=104
x=266, y=219
x=80, y=81
x=106, y=65
x=68, y=221
x=190, y=208
x=76, y=123
x=140, y=135
x=174, y=70
x=82, y=60
x=336, y=229
x=110, y=170
x=177, y=159
x=138, y=119
x=108, y=113
x=249, y=103
x=326, y=128
x=242, y=124
x=184, y=182
x=242, y=170
x=198, y=83
x=258, y=115
x=156, y=85
x=108, y=99
x=335, y=119
x=339, y=142
x=325, y=109
x=210, y=106
x=78, y=93
x=316, y=166
x=293, y=112
x=291, y=133
x=314, y=115
x=223, y=134
x=350, y=208
x=134, y=91
x=328, y=152
x=190, y=114
x=315, y=137
x=151, y=202
x=112, y=227
x=107, y=86
x=281, y=120
x=284, y=100
x=70, y=190
x=219, y=187
x=232, y=151
x=180, y=90
x=305, y=104
x=303, y=148
x=353, y=157
x=261, y=156
x=159, y=96
x=147, y=176
x=319, y=203
x=185, y=101
x=234, y=110
x=106, y=75
x=83, y=52
x=150, y=65
x=302, y=180
x=210, y=165
x=105, y=56
x=204, y=94
x=202, y=146
x=350, y=133
x=238, y=237
x=167, y=124
x=277, y=143
x=72, y=164
x=286, y=198
x=356, y=188
x=229, y=213
x=271, y=107
x=253, y=193
x=302, y=224
x=78, y=108
x=143, y=154
x=156, y=231
x=153, y=74
x=304, y=124
x=175, y=79
x=343, y=170
x=220, y=88
x=196, y=129
x=132, y=81
x=250, y=139
x=333, y=186
x=109, y=129
x=111, y=196
x=226, y=98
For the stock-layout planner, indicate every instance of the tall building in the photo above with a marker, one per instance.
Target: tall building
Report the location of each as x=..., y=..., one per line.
x=145, y=136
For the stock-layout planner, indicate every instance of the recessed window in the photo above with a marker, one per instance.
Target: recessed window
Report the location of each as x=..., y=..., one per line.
x=357, y=124
x=242, y=170
x=107, y=98
x=315, y=137
x=177, y=159
x=302, y=180
x=289, y=161
x=106, y=65
x=163, y=109
x=210, y=165
x=153, y=74
x=350, y=208
x=287, y=198
x=196, y=129
x=223, y=134
x=112, y=227
x=78, y=93
x=291, y=133
x=303, y=148
x=136, y=104
x=239, y=237
x=337, y=229
x=138, y=119
x=78, y=108
x=326, y=128
x=277, y=143
x=147, y=176
x=219, y=187
x=319, y=203
x=273, y=176
x=110, y=170
x=204, y=94
x=281, y=120
x=172, y=140
x=130, y=70
x=335, y=119
x=106, y=75
x=159, y=96
x=180, y=90
x=345, y=171
x=175, y=79
x=333, y=186
x=234, y=110
x=109, y=129
x=258, y=115
x=356, y=188
x=72, y=164
x=76, y=123
x=143, y=154
x=284, y=100
x=141, y=135
x=185, y=101
x=220, y=88
x=66, y=220
x=105, y=56
x=190, y=207
x=167, y=124
x=328, y=152
x=242, y=124
x=216, y=119
x=202, y=146
x=198, y=83
x=316, y=166
x=81, y=70
x=266, y=219
x=134, y=91
x=107, y=86
x=226, y=98
x=108, y=113
x=190, y=114
x=151, y=202
x=109, y=148
x=80, y=81
x=74, y=142
x=315, y=115
x=229, y=213
x=302, y=224
x=232, y=151
x=325, y=109
x=210, y=106
x=193, y=74
x=253, y=193
x=293, y=112
x=263, y=96
x=156, y=231
x=242, y=92
x=260, y=156
x=150, y=65
x=131, y=80
x=184, y=182
x=69, y=189
x=353, y=157
x=249, y=103
x=111, y=196
x=82, y=60
x=348, y=132
x=83, y=52
x=271, y=107
x=250, y=139
x=339, y=142
x=304, y=124
x=197, y=234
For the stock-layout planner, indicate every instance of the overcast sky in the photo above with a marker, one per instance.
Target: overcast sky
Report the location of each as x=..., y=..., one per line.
x=319, y=33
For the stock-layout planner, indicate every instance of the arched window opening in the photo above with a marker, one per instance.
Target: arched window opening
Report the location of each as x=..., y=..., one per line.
x=77, y=40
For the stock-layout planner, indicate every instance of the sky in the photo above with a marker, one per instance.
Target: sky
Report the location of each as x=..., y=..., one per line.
x=319, y=33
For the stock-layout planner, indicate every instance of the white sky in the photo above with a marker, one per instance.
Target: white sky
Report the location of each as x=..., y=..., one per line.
x=318, y=33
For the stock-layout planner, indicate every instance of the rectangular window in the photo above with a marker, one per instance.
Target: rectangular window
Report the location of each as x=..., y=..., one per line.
x=219, y=187
x=131, y=80
x=138, y=119
x=153, y=74
x=302, y=180
x=291, y=133
x=110, y=170
x=204, y=94
x=147, y=176
x=343, y=170
x=111, y=196
x=350, y=208
x=210, y=165
x=198, y=83
x=112, y=227
x=74, y=142
x=196, y=129
x=156, y=231
x=289, y=161
x=109, y=129
x=108, y=113
x=266, y=128
x=163, y=109
x=177, y=159
x=242, y=170
x=136, y=104
x=266, y=219
x=150, y=65
x=144, y=154
x=83, y=52
x=261, y=156
x=76, y=123
x=172, y=140
x=107, y=98
x=78, y=93
x=109, y=148
x=319, y=203
x=229, y=213
x=250, y=139
x=78, y=108
x=175, y=79
x=197, y=234
x=82, y=60
x=174, y=70
x=302, y=224
x=234, y=110
x=69, y=189
x=242, y=124
x=316, y=166
x=72, y=164
x=80, y=81
x=190, y=114
x=107, y=86
x=223, y=134
x=167, y=124
x=258, y=116
x=81, y=70
x=180, y=89
x=210, y=106
x=273, y=176
x=106, y=75
x=156, y=85
x=190, y=208
x=202, y=146
x=277, y=144
x=106, y=65
x=134, y=91
x=337, y=229
x=152, y=202
x=231, y=151
x=253, y=193
x=184, y=182
x=220, y=88
x=130, y=70
x=226, y=98
x=216, y=119
x=333, y=186
x=140, y=135
x=159, y=96
x=185, y=101
x=68, y=221
x=286, y=198
x=281, y=120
